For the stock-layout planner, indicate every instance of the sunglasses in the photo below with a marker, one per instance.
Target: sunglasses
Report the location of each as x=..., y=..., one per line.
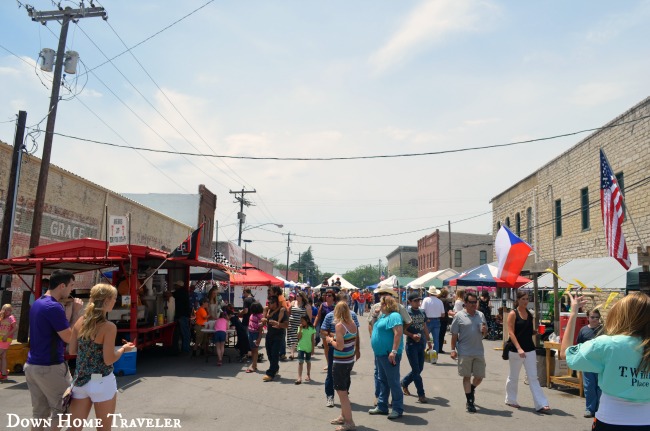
x=472, y=302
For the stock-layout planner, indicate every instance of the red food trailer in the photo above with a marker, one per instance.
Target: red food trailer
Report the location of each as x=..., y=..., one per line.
x=84, y=255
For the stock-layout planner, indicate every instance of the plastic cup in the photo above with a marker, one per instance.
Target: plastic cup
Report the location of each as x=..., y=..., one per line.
x=542, y=329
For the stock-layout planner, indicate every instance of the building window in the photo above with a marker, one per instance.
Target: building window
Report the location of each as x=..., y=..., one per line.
x=498, y=226
x=413, y=262
x=621, y=184
x=482, y=260
x=458, y=258
x=529, y=225
x=558, y=218
x=508, y=222
x=584, y=207
x=518, y=224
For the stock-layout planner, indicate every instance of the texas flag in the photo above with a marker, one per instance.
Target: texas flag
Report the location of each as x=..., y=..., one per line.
x=512, y=253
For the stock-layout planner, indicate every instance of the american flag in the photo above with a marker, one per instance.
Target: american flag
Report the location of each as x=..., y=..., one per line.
x=611, y=205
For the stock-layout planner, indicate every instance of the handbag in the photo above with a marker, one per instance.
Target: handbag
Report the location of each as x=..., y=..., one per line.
x=66, y=398
x=507, y=348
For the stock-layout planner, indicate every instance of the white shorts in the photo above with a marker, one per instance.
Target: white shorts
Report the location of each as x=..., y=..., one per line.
x=98, y=391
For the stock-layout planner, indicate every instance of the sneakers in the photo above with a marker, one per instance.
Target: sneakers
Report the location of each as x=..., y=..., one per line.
x=330, y=402
x=470, y=407
x=394, y=415
x=588, y=414
x=434, y=357
x=267, y=378
x=422, y=400
x=376, y=411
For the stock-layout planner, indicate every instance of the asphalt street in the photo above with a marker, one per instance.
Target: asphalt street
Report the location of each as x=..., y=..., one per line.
x=201, y=395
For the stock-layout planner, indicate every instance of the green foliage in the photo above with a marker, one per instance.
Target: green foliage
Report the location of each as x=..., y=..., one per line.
x=363, y=275
x=406, y=271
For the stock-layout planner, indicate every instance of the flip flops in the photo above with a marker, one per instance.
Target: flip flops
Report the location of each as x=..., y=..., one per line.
x=515, y=406
x=546, y=410
x=251, y=370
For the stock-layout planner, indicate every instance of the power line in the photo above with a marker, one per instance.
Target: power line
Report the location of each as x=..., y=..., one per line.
x=384, y=156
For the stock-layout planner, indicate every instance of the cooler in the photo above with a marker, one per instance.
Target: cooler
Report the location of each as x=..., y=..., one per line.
x=580, y=322
x=125, y=366
x=17, y=357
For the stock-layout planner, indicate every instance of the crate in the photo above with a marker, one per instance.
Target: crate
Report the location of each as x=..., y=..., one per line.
x=125, y=366
x=17, y=357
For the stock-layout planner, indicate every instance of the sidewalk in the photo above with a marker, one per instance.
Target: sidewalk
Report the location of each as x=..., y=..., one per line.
x=204, y=396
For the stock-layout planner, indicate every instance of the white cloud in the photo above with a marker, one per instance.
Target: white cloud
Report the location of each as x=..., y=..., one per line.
x=596, y=93
x=429, y=23
x=481, y=121
x=615, y=25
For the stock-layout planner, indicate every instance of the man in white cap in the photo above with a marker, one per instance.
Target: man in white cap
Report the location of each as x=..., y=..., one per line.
x=375, y=311
x=434, y=310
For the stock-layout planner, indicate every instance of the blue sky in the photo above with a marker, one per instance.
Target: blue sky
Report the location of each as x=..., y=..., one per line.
x=336, y=78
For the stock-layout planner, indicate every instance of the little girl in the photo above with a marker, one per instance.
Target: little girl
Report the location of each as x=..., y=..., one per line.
x=8, y=329
x=220, y=326
x=255, y=333
x=306, y=344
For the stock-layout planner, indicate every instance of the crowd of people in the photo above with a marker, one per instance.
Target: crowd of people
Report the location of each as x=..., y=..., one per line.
x=615, y=357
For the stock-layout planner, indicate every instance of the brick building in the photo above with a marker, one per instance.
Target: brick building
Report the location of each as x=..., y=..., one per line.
x=467, y=251
x=399, y=258
x=191, y=209
x=557, y=207
x=75, y=208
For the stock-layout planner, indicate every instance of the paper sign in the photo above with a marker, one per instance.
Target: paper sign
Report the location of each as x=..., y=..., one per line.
x=118, y=230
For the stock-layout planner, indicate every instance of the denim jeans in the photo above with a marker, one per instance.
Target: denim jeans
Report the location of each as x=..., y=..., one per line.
x=592, y=391
x=273, y=347
x=441, y=338
x=433, y=325
x=415, y=355
x=184, y=328
x=329, y=381
x=389, y=384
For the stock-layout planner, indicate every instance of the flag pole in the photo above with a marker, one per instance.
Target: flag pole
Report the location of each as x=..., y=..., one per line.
x=625, y=208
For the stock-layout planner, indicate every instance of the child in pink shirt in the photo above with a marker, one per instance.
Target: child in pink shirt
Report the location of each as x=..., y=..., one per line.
x=8, y=329
x=220, y=326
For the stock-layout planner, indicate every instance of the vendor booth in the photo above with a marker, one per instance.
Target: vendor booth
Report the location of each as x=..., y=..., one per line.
x=141, y=274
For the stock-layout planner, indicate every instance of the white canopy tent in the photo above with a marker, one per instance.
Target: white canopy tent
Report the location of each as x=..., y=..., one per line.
x=344, y=283
x=419, y=282
x=388, y=282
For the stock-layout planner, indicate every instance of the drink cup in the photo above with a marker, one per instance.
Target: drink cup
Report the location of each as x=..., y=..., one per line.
x=541, y=329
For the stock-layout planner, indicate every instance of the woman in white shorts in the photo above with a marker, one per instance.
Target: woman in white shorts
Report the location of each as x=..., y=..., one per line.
x=93, y=341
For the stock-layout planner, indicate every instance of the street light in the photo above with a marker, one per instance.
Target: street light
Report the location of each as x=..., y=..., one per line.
x=255, y=227
x=246, y=241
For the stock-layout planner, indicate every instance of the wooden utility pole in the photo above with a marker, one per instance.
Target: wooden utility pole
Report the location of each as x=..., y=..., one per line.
x=449, y=233
x=240, y=215
x=65, y=16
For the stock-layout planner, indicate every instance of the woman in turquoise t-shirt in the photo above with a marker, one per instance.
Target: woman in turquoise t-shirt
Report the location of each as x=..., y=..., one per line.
x=306, y=344
x=621, y=358
x=387, y=344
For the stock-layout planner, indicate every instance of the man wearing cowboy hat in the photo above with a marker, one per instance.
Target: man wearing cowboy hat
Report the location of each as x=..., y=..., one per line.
x=434, y=310
x=375, y=311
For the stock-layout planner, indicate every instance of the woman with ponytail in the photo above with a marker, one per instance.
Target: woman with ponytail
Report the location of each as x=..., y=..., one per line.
x=93, y=341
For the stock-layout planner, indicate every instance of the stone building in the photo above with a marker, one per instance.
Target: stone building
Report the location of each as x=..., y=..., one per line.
x=557, y=207
x=398, y=259
x=467, y=251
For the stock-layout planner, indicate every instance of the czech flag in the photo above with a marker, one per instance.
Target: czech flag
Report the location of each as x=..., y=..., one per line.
x=512, y=253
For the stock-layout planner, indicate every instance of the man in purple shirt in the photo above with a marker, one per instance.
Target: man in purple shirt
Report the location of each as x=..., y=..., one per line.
x=46, y=371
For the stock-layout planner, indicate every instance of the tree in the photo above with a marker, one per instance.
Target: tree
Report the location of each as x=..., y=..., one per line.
x=363, y=275
x=307, y=267
x=407, y=271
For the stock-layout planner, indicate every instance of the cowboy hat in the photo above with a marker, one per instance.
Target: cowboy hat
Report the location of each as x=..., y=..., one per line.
x=386, y=289
x=433, y=291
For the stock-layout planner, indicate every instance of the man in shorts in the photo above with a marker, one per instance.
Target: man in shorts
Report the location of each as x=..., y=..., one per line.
x=467, y=331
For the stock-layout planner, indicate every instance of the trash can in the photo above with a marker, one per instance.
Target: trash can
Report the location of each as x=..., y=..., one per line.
x=541, y=365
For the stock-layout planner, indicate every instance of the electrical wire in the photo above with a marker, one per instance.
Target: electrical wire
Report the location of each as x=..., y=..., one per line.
x=384, y=156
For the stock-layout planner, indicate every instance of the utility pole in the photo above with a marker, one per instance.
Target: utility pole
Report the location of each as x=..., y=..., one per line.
x=286, y=272
x=240, y=215
x=449, y=232
x=10, y=203
x=65, y=16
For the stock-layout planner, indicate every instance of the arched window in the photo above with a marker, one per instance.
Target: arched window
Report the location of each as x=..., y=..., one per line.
x=498, y=226
x=518, y=224
x=508, y=222
x=529, y=225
